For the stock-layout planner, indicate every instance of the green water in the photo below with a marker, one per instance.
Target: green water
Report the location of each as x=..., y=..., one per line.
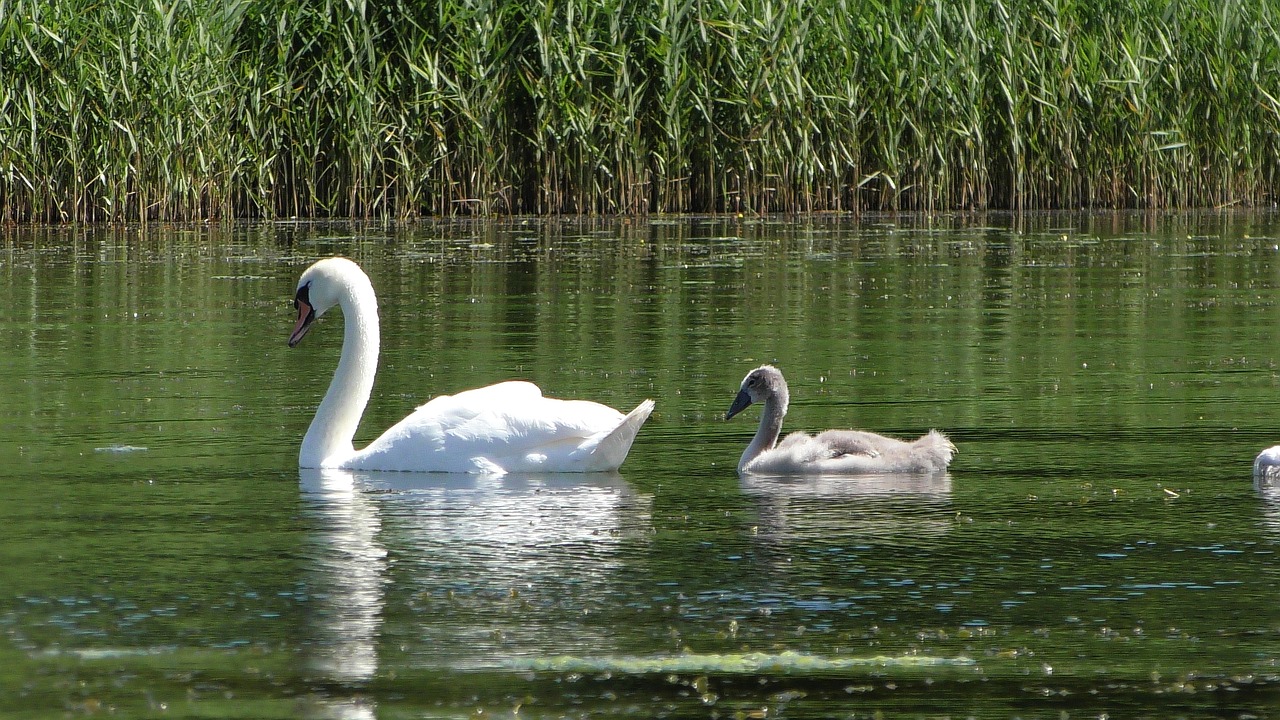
x=1098, y=546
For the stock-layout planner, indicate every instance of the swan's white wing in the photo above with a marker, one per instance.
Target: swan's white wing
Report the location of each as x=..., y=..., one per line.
x=508, y=427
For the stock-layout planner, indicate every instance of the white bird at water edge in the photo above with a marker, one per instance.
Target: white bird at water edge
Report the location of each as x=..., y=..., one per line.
x=1267, y=464
x=507, y=427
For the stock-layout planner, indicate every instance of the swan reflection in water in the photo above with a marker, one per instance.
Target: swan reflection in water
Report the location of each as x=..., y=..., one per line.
x=429, y=563
x=1267, y=485
x=347, y=568
x=884, y=506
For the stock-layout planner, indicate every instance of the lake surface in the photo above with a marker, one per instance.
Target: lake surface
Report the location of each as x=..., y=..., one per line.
x=1098, y=546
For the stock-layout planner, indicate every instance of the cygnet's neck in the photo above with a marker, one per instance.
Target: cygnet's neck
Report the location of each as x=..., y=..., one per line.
x=329, y=439
x=775, y=408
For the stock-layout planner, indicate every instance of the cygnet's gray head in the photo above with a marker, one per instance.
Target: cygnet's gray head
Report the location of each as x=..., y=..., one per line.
x=761, y=385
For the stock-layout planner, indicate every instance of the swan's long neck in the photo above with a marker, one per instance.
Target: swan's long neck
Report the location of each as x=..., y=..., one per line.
x=775, y=408
x=328, y=440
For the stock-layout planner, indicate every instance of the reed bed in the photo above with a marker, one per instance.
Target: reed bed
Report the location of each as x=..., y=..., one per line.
x=178, y=110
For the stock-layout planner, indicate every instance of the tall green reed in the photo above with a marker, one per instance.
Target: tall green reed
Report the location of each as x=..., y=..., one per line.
x=179, y=110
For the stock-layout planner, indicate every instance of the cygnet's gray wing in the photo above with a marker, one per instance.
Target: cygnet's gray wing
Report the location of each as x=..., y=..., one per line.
x=854, y=452
x=857, y=442
x=793, y=440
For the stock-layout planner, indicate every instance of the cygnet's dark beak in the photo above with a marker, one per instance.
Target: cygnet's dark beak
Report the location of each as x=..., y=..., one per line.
x=740, y=403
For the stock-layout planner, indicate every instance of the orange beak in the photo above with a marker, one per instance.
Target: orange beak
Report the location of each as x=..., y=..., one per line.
x=306, y=315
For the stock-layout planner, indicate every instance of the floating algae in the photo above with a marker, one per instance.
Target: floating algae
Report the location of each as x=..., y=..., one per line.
x=120, y=449
x=744, y=663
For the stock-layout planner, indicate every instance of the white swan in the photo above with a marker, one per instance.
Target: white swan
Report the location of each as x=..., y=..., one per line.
x=833, y=452
x=507, y=427
x=1267, y=464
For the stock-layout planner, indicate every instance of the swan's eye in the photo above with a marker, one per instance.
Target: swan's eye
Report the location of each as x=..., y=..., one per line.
x=303, y=296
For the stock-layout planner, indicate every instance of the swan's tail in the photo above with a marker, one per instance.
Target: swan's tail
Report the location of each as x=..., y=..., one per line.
x=614, y=446
x=938, y=450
